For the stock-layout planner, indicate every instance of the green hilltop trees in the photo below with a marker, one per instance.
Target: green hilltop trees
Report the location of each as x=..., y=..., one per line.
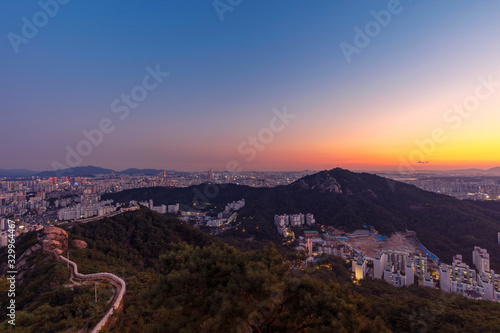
x=182, y=280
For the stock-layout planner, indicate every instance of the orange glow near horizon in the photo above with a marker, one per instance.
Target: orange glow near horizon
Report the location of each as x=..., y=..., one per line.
x=399, y=139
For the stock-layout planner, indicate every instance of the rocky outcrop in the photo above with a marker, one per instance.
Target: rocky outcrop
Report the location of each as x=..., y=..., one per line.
x=22, y=266
x=21, y=262
x=51, y=242
x=79, y=244
x=323, y=182
x=53, y=239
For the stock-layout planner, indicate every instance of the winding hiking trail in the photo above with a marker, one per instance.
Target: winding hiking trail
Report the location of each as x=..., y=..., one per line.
x=119, y=284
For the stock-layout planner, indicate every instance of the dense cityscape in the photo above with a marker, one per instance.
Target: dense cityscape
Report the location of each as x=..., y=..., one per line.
x=250, y=166
x=403, y=266
x=466, y=184
x=37, y=201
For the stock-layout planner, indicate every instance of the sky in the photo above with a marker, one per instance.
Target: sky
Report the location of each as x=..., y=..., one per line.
x=250, y=84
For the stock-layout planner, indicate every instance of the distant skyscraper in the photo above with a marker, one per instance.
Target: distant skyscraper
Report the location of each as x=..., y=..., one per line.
x=210, y=175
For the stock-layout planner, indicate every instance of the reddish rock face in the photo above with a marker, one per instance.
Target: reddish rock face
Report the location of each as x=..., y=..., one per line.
x=79, y=244
x=54, y=239
x=55, y=231
x=323, y=183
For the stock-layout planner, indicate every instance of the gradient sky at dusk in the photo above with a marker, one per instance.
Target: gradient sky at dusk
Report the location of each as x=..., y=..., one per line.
x=226, y=77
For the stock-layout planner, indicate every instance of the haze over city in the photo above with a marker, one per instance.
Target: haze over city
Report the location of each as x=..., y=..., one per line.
x=367, y=101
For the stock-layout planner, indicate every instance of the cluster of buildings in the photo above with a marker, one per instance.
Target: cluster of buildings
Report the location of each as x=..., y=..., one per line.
x=317, y=244
x=400, y=268
x=253, y=178
x=482, y=283
x=88, y=207
x=21, y=202
x=162, y=209
x=227, y=216
x=235, y=205
x=283, y=222
x=35, y=200
x=215, y=223
x=403, y=268
x=473, y=185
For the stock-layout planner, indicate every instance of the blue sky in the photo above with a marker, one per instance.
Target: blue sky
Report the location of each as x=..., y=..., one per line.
x=227, y=76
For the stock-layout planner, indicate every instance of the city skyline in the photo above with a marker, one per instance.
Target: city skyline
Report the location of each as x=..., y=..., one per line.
x=213, y=80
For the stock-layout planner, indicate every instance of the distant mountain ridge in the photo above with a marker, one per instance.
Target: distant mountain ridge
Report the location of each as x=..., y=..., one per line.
x=134, y=171
x=486, y=172
x=86, y=171
x=495, y=170
x=83, y=171
x=16, y=173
